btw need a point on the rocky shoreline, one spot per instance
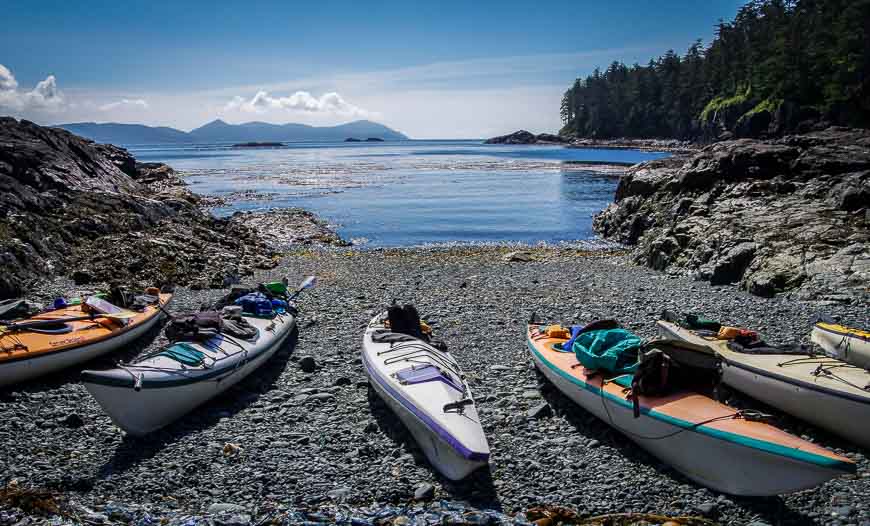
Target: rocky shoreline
(781, 216)
(314, 445)
(646, 145)
(72, 207)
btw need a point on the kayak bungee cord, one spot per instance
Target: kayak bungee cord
(417, 351)
(826, 364)
(209, 344)
(821, 370)
(427, 351)
(750, 415)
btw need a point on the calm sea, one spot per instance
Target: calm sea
(412, 192)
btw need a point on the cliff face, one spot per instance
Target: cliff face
(70, 206)
(774, 216)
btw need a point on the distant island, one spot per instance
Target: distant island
(778, 67)
(526, 137)
(219, 131)
(258, 145)
(369, 139)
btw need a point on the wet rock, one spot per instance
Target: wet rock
(339, 494)
(708, 509)
(225, 507)
(73, 421)
(424, 491)
(234, 519)
(307, 364)
(518, 256)
(96, 518)
(539, 411)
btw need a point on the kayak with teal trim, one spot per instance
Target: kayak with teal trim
(709, 442)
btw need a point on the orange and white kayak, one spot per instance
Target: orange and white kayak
(705, 440)
(29, 353)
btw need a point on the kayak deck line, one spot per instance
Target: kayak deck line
(813, 458)
(184, 376)
(443, 433)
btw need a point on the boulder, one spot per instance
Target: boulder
(730, 267)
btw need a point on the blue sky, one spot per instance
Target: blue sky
(433, 69)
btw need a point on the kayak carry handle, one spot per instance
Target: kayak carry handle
(458, 406)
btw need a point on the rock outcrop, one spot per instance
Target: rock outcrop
(526, 137)
(69, 206)
(790, 215)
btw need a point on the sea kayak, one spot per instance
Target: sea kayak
(29, 353)
(707, 441)
(156, 390)
(824, 391)
(847, 344)
(426, 389)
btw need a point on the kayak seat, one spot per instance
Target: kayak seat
(185, 354)
(418, 374)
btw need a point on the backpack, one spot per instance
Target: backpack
(405, 320)
(667, 366)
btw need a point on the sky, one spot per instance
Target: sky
(435, 69)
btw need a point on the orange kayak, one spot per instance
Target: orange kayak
(705, 440)
(28, 353)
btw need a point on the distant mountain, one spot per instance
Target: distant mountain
(220, 131)
(115, 133)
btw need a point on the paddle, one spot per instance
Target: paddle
(309, 283)
(35, 324)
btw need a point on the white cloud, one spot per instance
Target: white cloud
(129, 103)
(7, 80)
(329, 103)
(45, 96)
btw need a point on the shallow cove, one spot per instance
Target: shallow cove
(412, 193)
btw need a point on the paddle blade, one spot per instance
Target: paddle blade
(123, 315)
(309, 283)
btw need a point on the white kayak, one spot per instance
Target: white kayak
(824, 391)
(426, 389)
(155, 391)
(847, 344)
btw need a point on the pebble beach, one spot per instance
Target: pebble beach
(303, 439)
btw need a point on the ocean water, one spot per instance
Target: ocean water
(413, 192)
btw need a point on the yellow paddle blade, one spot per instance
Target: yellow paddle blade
(123, 315)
